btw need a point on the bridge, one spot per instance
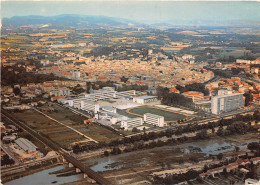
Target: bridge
(52, 145)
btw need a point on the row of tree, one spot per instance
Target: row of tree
(173, 99)
(234, 126)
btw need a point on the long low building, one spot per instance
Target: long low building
(89, 106)
(125, 93)
(84, 104)
(109, 109)
(144, 99)
(154, 119)
(194, 95)
(131, 123)
(26, 145)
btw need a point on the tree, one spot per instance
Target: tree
(213, 130)
(134, 129)
(248, 97)
(220, 131)
(17, 91)
(220, 156)
(106, 153)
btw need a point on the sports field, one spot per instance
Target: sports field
(168, 114)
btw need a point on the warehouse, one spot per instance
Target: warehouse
(26, 145)
(154, 119)
(131, 123)
(144, 99)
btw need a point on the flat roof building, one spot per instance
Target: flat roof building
(109, 109)
(144, 99)
(154, 119)
(194, 95)
(89, 106)
(125, 93)
(226, 103)
(26, 145)
(131, 123)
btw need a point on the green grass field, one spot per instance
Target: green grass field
(168, 116)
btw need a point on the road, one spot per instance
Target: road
(78, 132)
(97, 177)
(9, 153)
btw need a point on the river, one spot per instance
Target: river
(44, 178)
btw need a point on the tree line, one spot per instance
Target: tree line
(235, 125)
(173, 99)
(22, 77)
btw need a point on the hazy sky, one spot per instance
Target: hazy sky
(151, 11)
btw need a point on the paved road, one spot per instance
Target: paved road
(78, 132)
(97, 177)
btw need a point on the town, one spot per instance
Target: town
(130, 104)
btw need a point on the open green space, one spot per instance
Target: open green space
(168, 116)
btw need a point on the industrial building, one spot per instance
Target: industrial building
(26, 145)
(226, 103)
(131, 123)
(154, 119)
(144, 99)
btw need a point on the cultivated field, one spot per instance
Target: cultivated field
(58, 133)
(61, 134)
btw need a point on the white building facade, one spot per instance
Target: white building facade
(226, 103)
(131, 123)
(154, 119)
(144, 99)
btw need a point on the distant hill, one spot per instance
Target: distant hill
(81, 21)
(64, 20)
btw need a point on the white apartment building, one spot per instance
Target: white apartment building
(64, 91)
(226, 103)
(101, 94)
(76, 75)
(89, 106)
(187, 57)
(125, 93)
(131, 123)
(144, 99)
(154, 119)
(76, 103)
(84, 104)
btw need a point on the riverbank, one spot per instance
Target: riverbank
(31, 170)
(139, 166)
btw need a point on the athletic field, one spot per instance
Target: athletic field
(169, 115)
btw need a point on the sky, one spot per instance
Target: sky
(150, 11)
